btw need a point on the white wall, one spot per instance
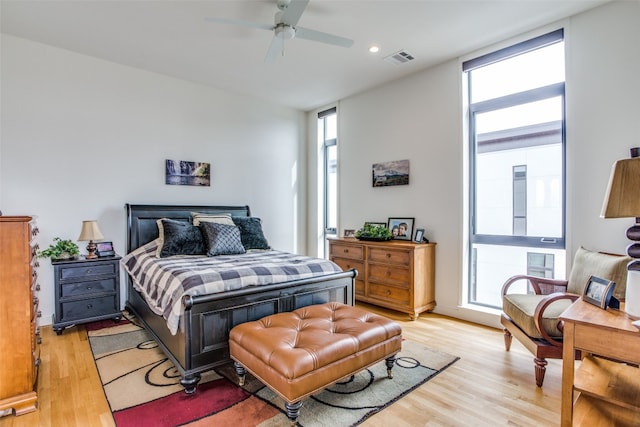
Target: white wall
(81, 137)
(420, 118)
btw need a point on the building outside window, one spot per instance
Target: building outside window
(517, 179)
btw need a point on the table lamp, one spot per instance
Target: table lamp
(90, 232)
(623, 201)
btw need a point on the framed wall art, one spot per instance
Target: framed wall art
(391, 173)
(182, 172)
(401, 228)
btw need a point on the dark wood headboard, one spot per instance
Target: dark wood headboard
(141, 219)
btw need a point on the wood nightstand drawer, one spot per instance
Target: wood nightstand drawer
(389, 274)
(86, 291)
(346, 251)
(390, 256)
(389, 293)
(93, 287)
(88, 308)
(88, 271)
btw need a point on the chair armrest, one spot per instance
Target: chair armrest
(539, 314)
(541, 285)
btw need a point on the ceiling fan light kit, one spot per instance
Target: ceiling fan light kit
(285, 28)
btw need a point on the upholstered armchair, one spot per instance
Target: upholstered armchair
(533, 317)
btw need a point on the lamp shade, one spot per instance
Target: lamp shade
(90, 231)
(623, 193)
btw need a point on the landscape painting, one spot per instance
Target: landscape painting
(181, 172)
(391, 173)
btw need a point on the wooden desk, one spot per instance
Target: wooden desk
(600, 392)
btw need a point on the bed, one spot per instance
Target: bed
(200, 343)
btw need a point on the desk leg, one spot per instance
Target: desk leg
(568, 372)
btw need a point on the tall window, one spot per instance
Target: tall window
(516, 137)
(327, 138)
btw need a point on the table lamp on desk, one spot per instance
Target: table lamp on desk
(623, 201)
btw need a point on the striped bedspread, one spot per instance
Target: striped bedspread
(164, 281)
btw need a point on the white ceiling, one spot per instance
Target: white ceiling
(173, 38)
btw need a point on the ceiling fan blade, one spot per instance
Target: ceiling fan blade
(247, 24)
(275, 49)
(319, 36)
(291, 15)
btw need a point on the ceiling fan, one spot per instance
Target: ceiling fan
(286, 27)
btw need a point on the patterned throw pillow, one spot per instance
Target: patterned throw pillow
(251, 232)
(221, 239)
(180, 238)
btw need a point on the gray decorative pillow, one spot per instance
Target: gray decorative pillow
(251, 232)
(221, 239)
(180, 238)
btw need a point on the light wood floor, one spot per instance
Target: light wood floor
(486, 387)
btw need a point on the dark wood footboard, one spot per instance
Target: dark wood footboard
(201, 343)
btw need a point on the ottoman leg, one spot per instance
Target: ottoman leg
(293, 410)
(390, 361)
(240, 371)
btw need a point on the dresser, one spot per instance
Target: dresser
(86, 290)
(395, 274)
(605, 388)
(19, 333)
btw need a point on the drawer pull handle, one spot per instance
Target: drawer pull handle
(89, 287)
(388, 292)
(346, 251)
(39, 313)
(89, 306)
(37, 362)
(388, 255)
(88, 271)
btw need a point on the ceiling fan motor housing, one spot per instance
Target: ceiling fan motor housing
(285, 32)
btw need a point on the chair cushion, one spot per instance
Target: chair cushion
(606, 266)
(521, 308)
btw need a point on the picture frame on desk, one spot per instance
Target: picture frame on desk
(598, 292)
(401, 228)
(105, 249)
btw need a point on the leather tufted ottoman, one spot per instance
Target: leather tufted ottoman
(299, 353)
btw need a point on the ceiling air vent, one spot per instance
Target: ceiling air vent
(399, 57)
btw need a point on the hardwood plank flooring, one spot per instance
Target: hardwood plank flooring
(486, 387)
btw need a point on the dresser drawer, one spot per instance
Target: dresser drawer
(389, 293)
(87, 308)
(396, 275)
(76, 289)
(346, 251)
(348, 264)
(391, 256)
(87, 271)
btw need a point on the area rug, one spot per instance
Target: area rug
(142, 386)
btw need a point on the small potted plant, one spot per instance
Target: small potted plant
(373, 232)
(60, 249)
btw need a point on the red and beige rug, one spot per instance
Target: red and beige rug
(142, 386)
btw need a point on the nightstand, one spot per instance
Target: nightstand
(86, 291)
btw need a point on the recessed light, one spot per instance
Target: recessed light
(374, 49)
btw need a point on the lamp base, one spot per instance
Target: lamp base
(632, 295)
(91, 249)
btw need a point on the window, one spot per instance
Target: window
(516, 189)
(327, 139)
